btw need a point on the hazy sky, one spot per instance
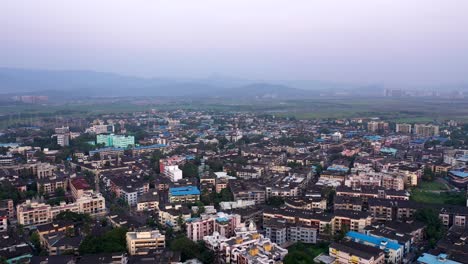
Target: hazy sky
(383, 41)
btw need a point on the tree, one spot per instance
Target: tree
(59, 192)
(275, 201)
(226, 195)
(297, 257)
(433, 223)
(35, 241)
(112, 241)
(190, 250)
(189, 170)
(428, 174)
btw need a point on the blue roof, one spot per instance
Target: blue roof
(151, 146)
(186, 190)
(222, 219)
(9, 145)
(418, 141)
(373, 138)
(376, 241)
(459, 173)
(388, 150)
(331, 168)
(431, 259)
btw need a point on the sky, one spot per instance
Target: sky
(392, 42)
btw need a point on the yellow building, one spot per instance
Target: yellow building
(138, 243)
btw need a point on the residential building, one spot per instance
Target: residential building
(403, 128)
(393, 251)
(173, 172)
(206, 224)
(118, 141)
(352, 252)
(186, 194)
(426, 130)
(140, 242)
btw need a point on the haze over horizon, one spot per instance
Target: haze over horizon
(387, 42)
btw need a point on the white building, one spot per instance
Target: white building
(173, 172)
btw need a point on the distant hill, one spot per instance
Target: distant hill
(62, 84)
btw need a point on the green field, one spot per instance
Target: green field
(410, 110)
(432, 186)
(304, 253)
(442, 198)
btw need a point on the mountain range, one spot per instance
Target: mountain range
(74, 83)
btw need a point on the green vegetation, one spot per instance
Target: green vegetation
(189, 170)
(301, 253)
(72, 216)
(213, 198)
(191, 250)
(432, 186)
(434, 229)
(275, 201)
(435, 198)
(112, 241)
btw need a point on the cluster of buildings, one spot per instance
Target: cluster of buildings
(249, 186)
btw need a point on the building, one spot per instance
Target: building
(173, 172)
(3, 221)
(38, 213)
(279, 231)
(100, 129)
(63, 136)
(139, 242)
(423, 130)
(247, 247)
(377, 126)
(427, 258)
(352, 252)
(63, 140)
(33, 213)
(79, 186)
(129, 187)
(186, 194)
(403, 128)
(248, 191)
(118, 141)
(8, 207)
(51, 185)
(393, 251)
(92, 203)
(173, 216)
(148, 201)
(206, 224)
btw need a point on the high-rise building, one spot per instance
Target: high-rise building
(118, 141)
(63, 136)
(376, 126)
(426, 130)
(403, 128)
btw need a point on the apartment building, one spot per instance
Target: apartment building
(403, 128)
(186, 194)
(37, 212)
(353, 252)
(206, 224)
(52, 184)
(8, 207)
(173, 172)
(280, 232)
(393, 251)
(140, 242)
(424, 130)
